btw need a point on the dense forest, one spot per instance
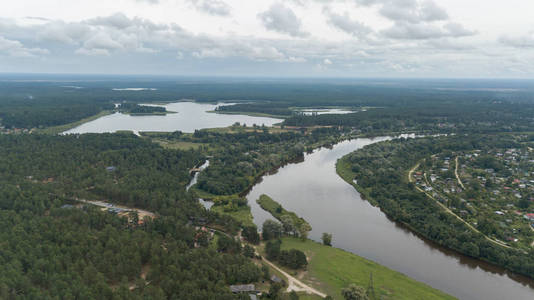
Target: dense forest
(381, 170)
(240, 158)
(75, 251)
(30, 101)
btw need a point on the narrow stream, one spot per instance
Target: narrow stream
(206, 204)
(315, 192)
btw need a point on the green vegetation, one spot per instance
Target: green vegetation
(277, 211)
(135, 109)
(237, 209)
(381, 171)
(61, 128)
(74, 250)
(331, 269)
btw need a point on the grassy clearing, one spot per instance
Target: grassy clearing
(331, 269)
(179, 145)
(61, 128)
(241, 214)
(277, 211)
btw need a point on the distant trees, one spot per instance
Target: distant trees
(327, 239)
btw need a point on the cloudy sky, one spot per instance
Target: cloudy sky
(319, 38)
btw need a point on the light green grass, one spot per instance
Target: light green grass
(331, 269)
(61, 128)
(277, 211)
(179, 145)
(242, 214)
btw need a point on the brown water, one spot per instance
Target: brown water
(315, 192)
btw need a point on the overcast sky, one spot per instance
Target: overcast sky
(320, 38)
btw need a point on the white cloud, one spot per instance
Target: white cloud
(282, 19)
(212, 7)
(346, 24)
(518, 41)
(17, 49)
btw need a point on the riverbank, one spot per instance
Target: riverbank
(62, 128)
(331, 269)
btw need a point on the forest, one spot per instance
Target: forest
(52, 246)
(381, 170)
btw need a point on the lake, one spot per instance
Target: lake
(190, 116)
(314, 191)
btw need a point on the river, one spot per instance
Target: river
(314, 191)
(189, 117)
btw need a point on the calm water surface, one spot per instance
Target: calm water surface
(315, 192)
(189, 117)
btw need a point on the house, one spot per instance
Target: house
(500, 213)
(111, 168)
(276, 279)
(529, 217)
(243, 288)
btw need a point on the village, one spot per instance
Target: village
(492, 190)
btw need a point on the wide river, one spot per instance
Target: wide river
(315, 192)
(189, 116)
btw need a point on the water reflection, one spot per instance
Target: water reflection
(315, 192)
(190, 116)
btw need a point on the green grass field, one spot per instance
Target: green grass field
(242, 215)
(331, 269)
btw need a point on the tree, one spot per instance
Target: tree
(271, 229)
(354, 292)
(304, 230)
(248, 251)
(250, 233)
(293, 295)
(272, 249)
(287, 225)
(327, 239)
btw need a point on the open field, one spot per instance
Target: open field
(179, 145)
(331, 269)
(241, 214)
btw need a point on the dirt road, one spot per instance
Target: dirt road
(293, 283)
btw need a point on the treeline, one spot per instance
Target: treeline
(239, 158)
(50, 250)
(57, 100)
(431, 118)
(120, 168)
(381, 171)
(277, 109)
(134, 108)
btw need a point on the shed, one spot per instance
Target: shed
(243, 288)
(276, 279)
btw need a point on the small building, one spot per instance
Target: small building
(243, 288)
(111, 168)
(276, 279)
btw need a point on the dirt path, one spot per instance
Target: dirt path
(452, 213)
(456, 174)
(142, 213)
(410, 177)
(293, 283)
